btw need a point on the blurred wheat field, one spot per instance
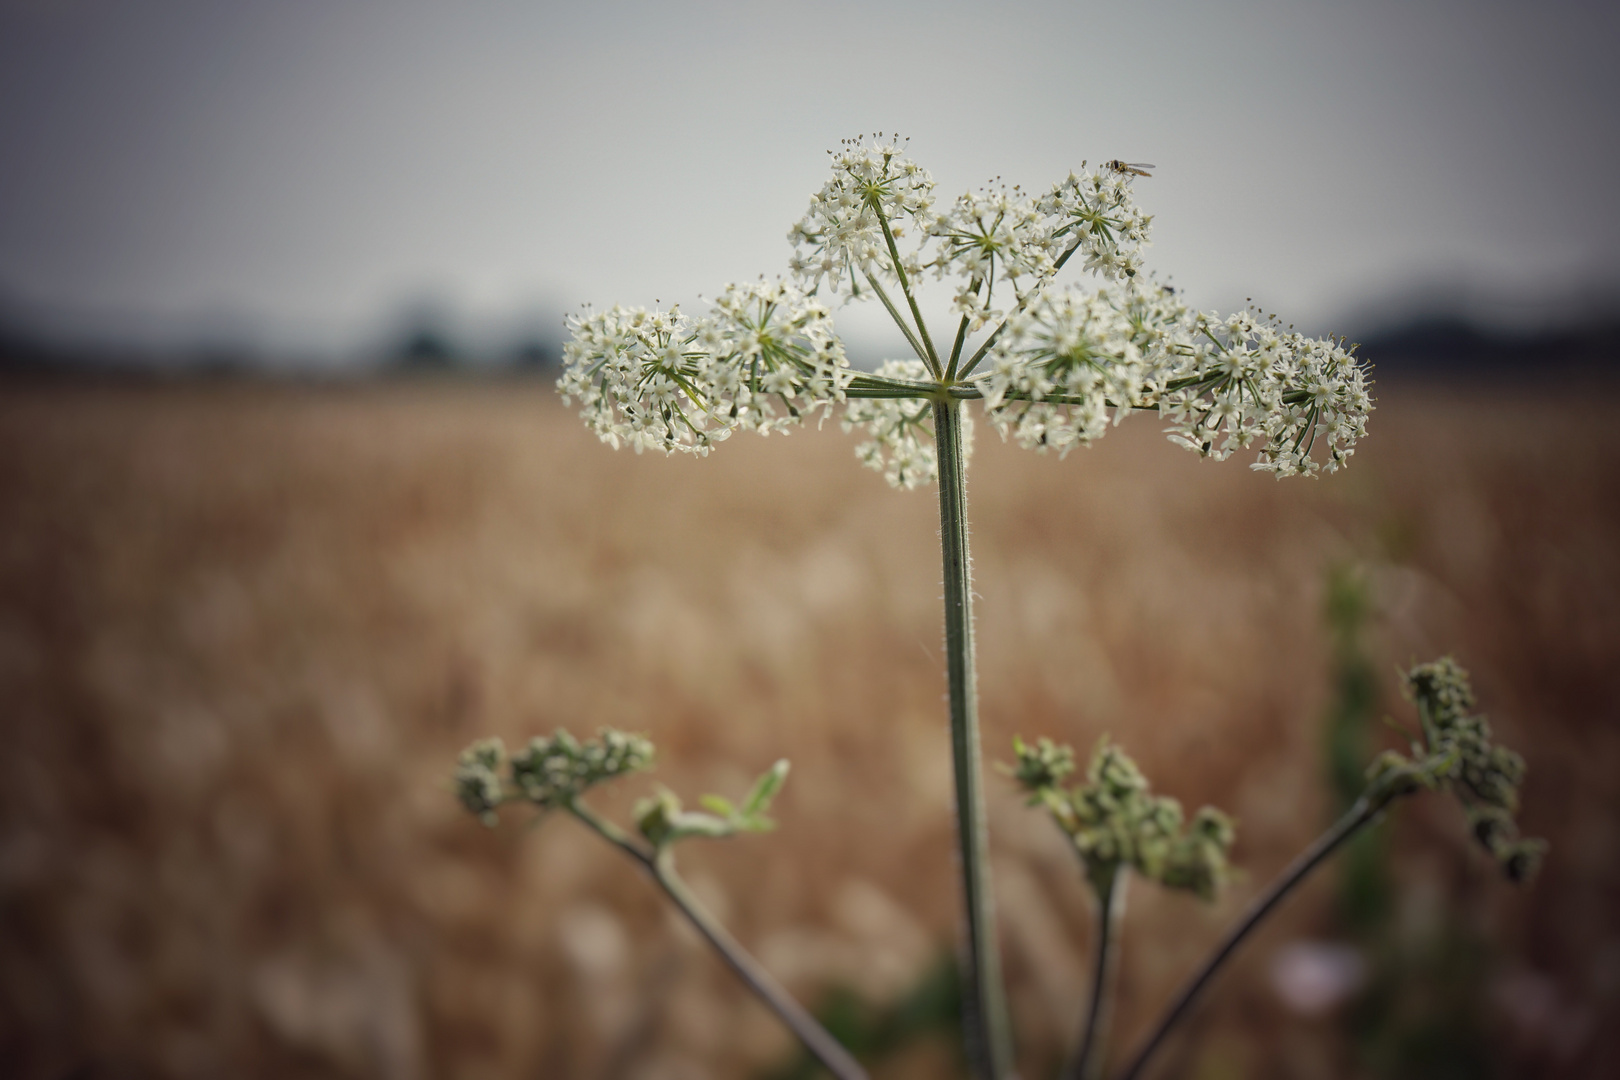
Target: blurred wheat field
(244, 629)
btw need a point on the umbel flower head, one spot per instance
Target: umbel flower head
(1054, 367)
(1114, 821)
(844, 240)
(765, 358)
(549, 772)
(1456, 753)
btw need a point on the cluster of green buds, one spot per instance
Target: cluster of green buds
(552, 773)
(549, 772)
(1114, 821)
(663, 821)
(1456, 754)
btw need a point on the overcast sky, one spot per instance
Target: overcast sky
(303, 170)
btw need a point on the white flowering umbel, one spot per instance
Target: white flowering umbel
(764, 359)
(1303, 402)
(1098, 218)
(775, 357)
(1072, 360)
(991, 237)
(847, 239)
(641, 378)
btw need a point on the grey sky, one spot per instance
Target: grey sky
(306, 167)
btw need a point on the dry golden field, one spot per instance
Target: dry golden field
(244, 629)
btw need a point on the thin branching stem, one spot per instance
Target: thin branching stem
(1091, 1052)
(660, 865)
(930, 357)
(956, 349)
(989, 1035)
(1023, 302)
(1365, 811)
(899, 320)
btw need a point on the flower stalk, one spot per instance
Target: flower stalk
(1363, 813)
(1454, 752)
(988, 1027)
(659, 863)
(1092, 1050)
(553, 773)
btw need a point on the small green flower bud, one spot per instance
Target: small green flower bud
(1044, 765)
(1461, 757)
(477, 781)
(1522, 860)
(655, 817)
(1113, 820)
(1491, 826)
(1441, 690)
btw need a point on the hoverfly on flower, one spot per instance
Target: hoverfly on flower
(1135, 168)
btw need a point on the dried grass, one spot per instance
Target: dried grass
(244, 629)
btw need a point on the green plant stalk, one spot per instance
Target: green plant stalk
(989, 1034)
(1092, 1050)
(660, 865)
(1365, 811)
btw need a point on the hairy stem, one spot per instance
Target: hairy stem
(1365, 811)
(989, 1037)
(660, 863)
(1092, 1050)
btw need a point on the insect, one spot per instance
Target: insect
(1135, 168)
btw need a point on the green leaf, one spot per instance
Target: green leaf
(755, 824)
(719, 804)
(765, 789)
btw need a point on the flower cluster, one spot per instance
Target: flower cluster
(1457, 754)
(993, 236)
(1068, 358)
(1244, 382)
(1114, 821)
(1055, 370)
(899, 430)
(776, 358)
(840, 240)
(1097, 217)
(764, 358)
(549, 772)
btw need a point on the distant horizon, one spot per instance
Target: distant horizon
(296, 177)
(1436, 320)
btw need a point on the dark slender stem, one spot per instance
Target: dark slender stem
(660, 864)
(1092, 1050)
(989, 1037)
(816, 1038)
(1364, 811)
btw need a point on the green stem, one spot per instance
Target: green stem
(956, 349)
(1092, 1050)
(1362, 813)
(989, 1038)
(899, 320)
(660, 864)
(1024, 302)
(931, 358)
